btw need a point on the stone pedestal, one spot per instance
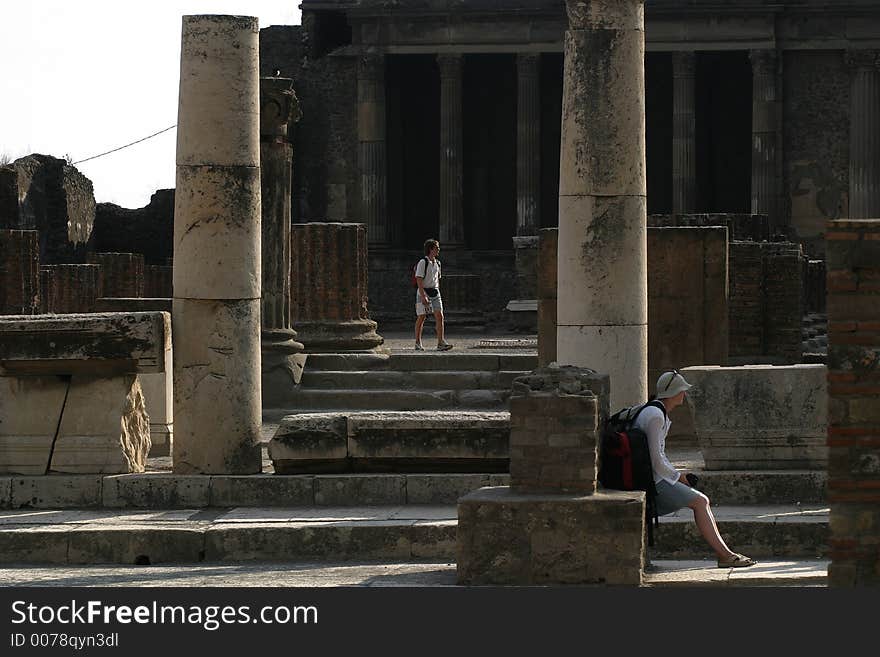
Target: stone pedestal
(760, 417)
(217, 272)
(123, 273)
(550, 526)
(451, 191)
(864, 134)
(766, 137)
(523, 311)
(328, 281)
(684, 152)
(602, 297)
(19, 272)
(72, 288)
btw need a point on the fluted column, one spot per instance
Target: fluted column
(123, 273)
(372, 147)
(602, 302)
(451, 195)
(72, 288)
(528, 144)
(19, 272)
(217, 250)
(684, 162)
(766, 141)
(281, 351)
(864, 135)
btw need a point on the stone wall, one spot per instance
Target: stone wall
(8, 198)
(853, 252)
(816, 143)
(19, 272)
(148, 230)
(740, 226)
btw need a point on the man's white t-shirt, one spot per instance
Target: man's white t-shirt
(432, 276)
(652, 421)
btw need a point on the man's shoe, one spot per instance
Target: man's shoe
(419, 346)
(444, 346)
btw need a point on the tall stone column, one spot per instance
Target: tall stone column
(766, 140)
(528, 144)
(864, 134)
(603, 284)
(280, 349)
(19, 272)
(329, 288)
(372, 147)
(217, 277)
(451, 195)
(684, 160)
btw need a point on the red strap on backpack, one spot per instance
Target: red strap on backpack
(624, 452)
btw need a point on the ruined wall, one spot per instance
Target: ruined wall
(8, 198)
(816, 143)
(853, 250)
(148, 230)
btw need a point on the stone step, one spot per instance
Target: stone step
(409, 380)
(155, 490)
(422, 361)
(706, 573)
(399, 533)
(389, 399)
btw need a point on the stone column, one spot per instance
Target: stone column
(547, 273)
(451, 196)
(864, 134)
(528, 144)
(19, 272)
(766, 142)
(217, 277)
(684, 160)
(329, 288)
(73, 288)
(123, 273)
(280, 349)
(603, 285)
(372, 147)
(158, 282)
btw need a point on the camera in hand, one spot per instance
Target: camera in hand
(692, 479)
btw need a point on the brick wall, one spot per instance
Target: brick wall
(853, 261)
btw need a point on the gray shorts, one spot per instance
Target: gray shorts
(672, 497)
(435, 304)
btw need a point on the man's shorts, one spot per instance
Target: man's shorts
(672, 497)
(435, 304)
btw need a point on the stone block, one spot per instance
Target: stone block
(142, 545)
(310, 442)
(88, 343)
(360, 490)
(760, 416)
(515, 539)
(442, 488)
(40, 544)
(56, 491)
(30, 412)
(5, 492)
(262, 490)
(157, 491)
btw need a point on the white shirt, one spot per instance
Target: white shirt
(432, 276)
(656, 427)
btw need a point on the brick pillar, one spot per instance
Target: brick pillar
(328, 281)
(547, 246)
(372, 147)
(766, 140)
(853, 262)
(73, 288)
(158, 281)
(864, 134)
(123, 273)
(451, 194)
(19, 272)
(684, 152)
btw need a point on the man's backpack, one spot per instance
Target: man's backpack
(625, 460)
(412, 273)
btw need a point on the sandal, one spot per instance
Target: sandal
(736, 561)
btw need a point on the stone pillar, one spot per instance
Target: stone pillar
(19, 272)
(123, 273)
(766, 139)
(853, 263)
(603, 285)
(547, 270)
(528, 144)
(217, 276)
(451, 195)
(328, 281)
(864, 134)
(684, 153)
(372, 147)
(280, 349)
(73, 288)
(8, 198)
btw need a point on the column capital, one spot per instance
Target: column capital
(371, 65)
(279, 106)
(684, 64)
(863, 59)
(763, 61)
(450, 65)
(528, 63)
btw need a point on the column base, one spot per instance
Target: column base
(161, 439)
(357, 335)
(522, 315)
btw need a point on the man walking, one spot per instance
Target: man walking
(428, 298)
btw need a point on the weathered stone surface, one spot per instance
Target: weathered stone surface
(508, 538)
(217, 407)
(261, 490)
(760, 416)
(71, 289)
(362, 489)
(56, 491)
(150, 228)
(442, 488)
(546, 284)
(309, 441)
(103, 544)
(104, 427)
(68, 344)
(156, 490)
(123, 273)
(19, 272)
(30, 411)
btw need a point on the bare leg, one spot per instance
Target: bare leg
(420, 323)
(438, 317)
(708, 529)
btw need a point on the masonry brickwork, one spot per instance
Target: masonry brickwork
(72, 288)
(853, 251)
(19, 272)
(123, 273)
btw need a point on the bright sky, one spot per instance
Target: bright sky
(80, 77)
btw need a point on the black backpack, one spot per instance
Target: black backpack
(625, 460)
